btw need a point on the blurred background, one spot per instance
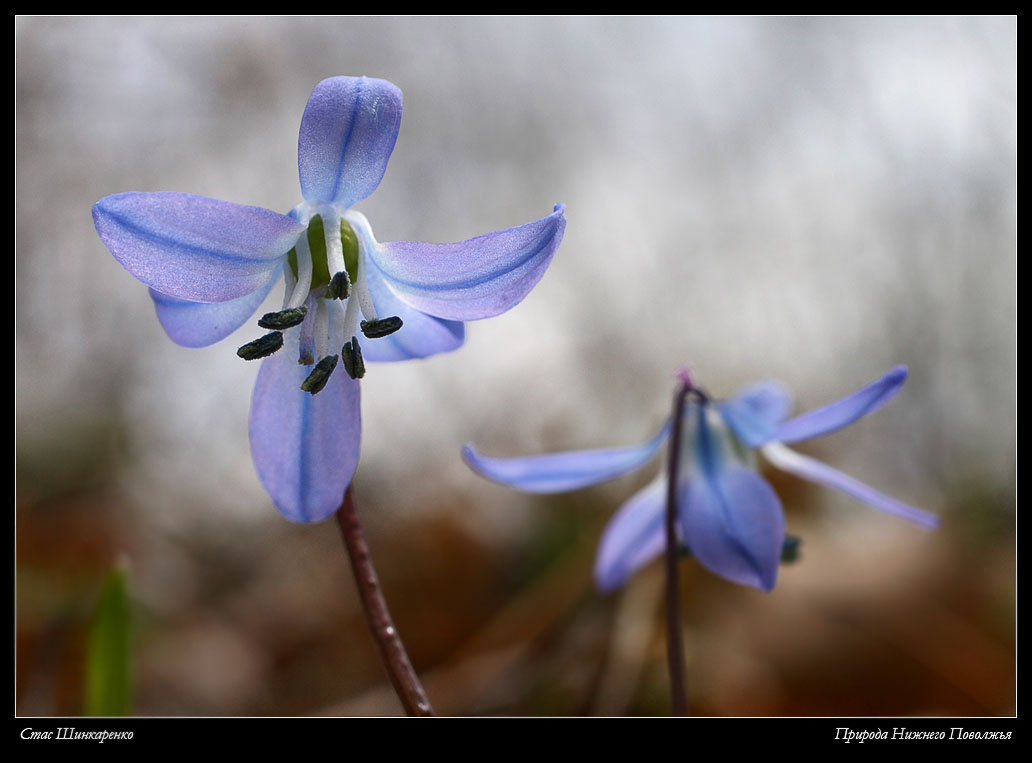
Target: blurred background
(808, 199)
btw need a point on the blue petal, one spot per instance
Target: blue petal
(347, 135)
(634, 537)
(421, 335)
(193, 247)
(198, 324)
(755, 412)
(560, 472)
(822, 474)
(844, 412)
(305, 447)
(473, 279)
(733, 523)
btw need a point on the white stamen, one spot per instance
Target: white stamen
(366, 245)
(365, 299)
(334, 247)
(351, 318)
(304, 272)
(289, 283)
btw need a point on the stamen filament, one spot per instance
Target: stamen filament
(304, 272)
(361, 290)
(360, 287)
(289, 284)
(331, 232)
(350, 316)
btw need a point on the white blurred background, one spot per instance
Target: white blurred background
(808, 199)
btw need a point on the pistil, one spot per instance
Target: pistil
(326, 294)
(322, 326)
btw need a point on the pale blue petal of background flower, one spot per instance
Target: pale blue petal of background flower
(813, 470)
(633, 537)
(734, 525)
(842, 412)
(559, 472)
(755, 412)
(730, 518)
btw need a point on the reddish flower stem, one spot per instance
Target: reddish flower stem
(675, 639)
(392, 651)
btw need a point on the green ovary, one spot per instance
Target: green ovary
(317, 243)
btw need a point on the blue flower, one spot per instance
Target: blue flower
(729, 517)
(210, 264)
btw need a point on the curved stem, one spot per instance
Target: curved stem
(392, 651)
(675, 640)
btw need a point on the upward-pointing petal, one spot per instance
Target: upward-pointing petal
(754, 413)
(347, 135)
(560, 472)
(473, 279)
(193, 247)
(844, 412)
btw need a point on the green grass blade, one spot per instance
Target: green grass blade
(108, 661)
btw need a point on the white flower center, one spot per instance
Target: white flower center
(326, 293)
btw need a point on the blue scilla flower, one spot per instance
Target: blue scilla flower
(729, 516)
(210, 264)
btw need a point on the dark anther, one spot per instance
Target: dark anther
(306, 358)
(284, 319)
(259, 348)
(320, 374)
(352, 355)
(790, 549)
(381, 327)
(340, 286)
